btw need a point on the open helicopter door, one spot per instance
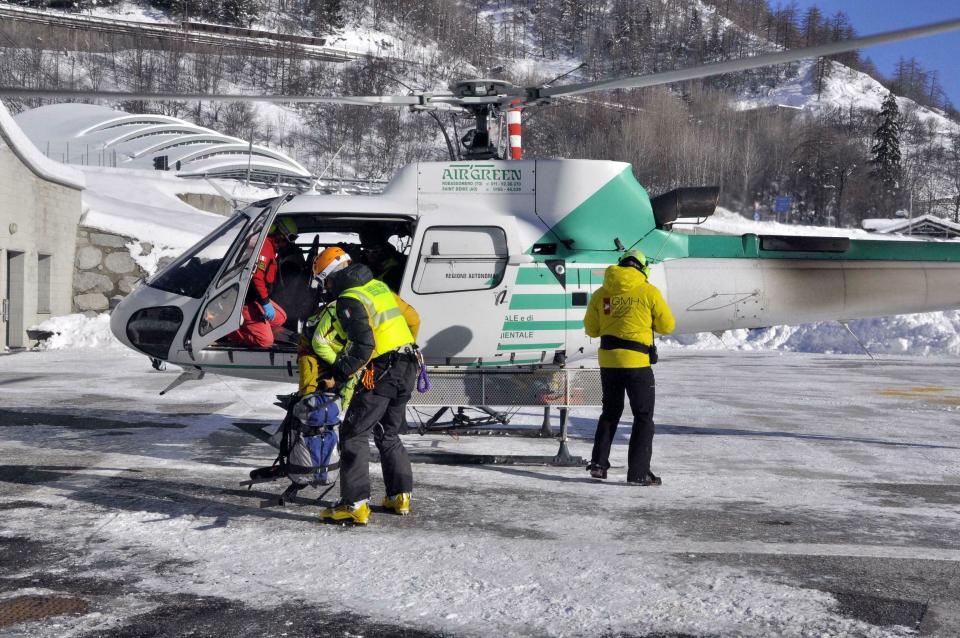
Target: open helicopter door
(220, 310)
(459, 277)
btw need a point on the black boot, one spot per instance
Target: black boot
(596, 471)
(650, 480)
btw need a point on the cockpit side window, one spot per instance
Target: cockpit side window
(192, 273)
(248, 245)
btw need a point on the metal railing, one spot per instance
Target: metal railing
(562, 388)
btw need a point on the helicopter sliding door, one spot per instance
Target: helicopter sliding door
(459, 280)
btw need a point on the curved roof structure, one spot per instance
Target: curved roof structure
(93, 135)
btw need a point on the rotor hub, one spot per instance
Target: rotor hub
(484, 88)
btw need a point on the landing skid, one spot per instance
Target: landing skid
(268, 500)
(489, 422)
(463, 424)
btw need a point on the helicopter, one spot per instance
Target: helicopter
(503, 255)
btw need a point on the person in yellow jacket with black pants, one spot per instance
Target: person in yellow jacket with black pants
(624, 313)
(379, 330)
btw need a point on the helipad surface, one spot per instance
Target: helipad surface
(803, 495)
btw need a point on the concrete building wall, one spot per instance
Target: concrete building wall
(209, 203)
(38, 220)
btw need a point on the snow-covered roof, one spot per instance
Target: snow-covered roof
(878, 225)
(929, 225)
(31, 156)
(92, 135)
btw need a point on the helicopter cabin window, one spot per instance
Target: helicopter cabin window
(458, 259)
(193, 272)
(218, 310)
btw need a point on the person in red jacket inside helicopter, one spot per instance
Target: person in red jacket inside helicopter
(261, 316)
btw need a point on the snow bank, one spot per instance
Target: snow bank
(932, 333)
(150, 261)
(144, 205)
(936, 333)
(73, 332)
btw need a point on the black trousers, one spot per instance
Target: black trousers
(382, 412)
(640, 388)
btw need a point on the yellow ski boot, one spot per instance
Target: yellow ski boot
(399, 503)
(346, 513)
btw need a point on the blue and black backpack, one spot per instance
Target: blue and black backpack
(309, 442)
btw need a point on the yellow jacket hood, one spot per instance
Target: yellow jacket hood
(629, 307)
(619, 279)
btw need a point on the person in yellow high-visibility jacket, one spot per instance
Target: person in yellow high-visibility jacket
(380, 331)
(624, 313)
(319, 345)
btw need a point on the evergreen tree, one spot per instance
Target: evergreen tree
(327, 16)
(812, 27)
(692, 44)
(715, 43)
(240, 12)
(886, 163)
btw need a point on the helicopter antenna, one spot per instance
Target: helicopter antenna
(451, 150)
(329, 164)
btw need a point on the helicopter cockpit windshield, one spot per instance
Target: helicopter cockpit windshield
(193, 271)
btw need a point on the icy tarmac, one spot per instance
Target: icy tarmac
(803, 495)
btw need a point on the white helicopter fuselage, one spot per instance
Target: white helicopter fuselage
(502, 260)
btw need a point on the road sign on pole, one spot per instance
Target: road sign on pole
(782, 204)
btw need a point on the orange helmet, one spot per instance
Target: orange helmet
(329, 261)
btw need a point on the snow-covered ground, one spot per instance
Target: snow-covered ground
(803, 496)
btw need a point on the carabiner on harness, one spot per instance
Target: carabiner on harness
(423, 380)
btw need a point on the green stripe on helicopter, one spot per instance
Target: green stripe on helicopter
(543, 277)
(243, 367)
(672, 245)
(506, 362)
(543, 325)
(620, 209)
(540, 302)
(529, 346)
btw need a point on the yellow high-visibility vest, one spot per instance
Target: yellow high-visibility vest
(390, 329)
(328, 336)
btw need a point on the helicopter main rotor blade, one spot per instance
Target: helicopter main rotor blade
(361, 100)
(743, 64)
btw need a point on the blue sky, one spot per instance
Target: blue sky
(941, 52)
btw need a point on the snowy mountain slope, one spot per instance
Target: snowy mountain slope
(843, 88)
